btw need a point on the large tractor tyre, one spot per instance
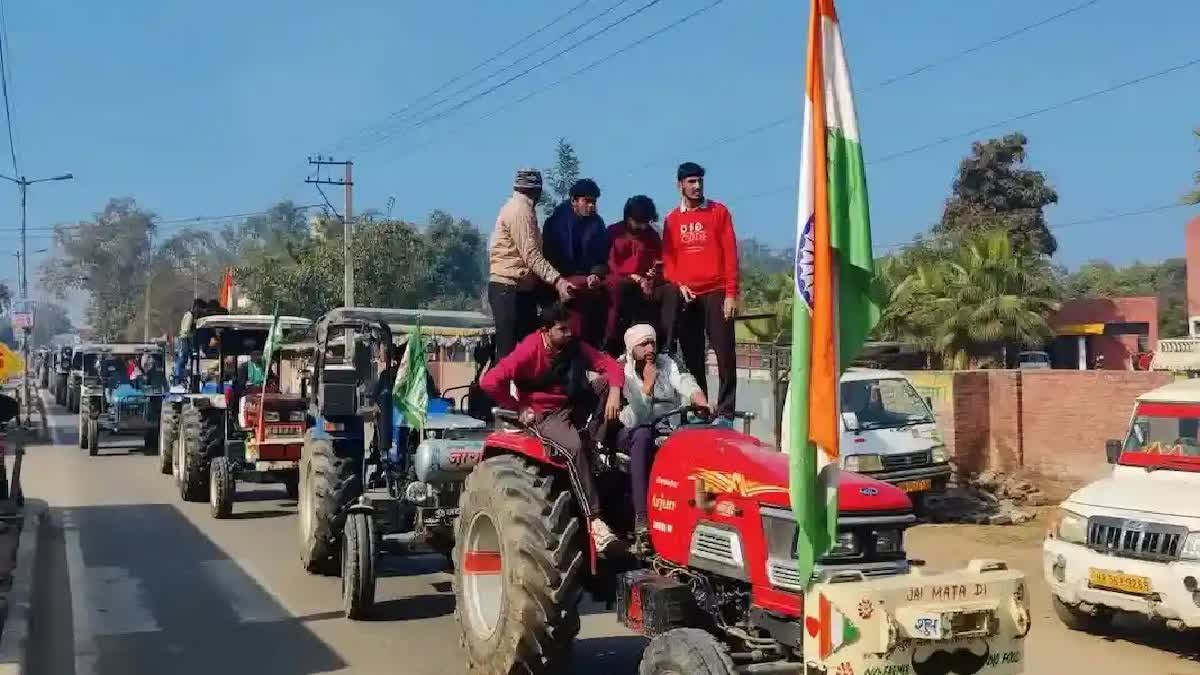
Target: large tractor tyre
(202, 439)
(519, 554)
(291, 485)
(168, 431)
(1074, 619)
(93, 437)
(358, 566)
(71, 401)
(82, 432)
(222, 485)
(685, 650)
(150, 442)
(328, 484)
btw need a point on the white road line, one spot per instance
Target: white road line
(117, 602)
(250, 602)
(87, 655)
(51, 429)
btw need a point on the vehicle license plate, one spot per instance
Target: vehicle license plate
(1118, 581)
(284, 430)
(922, 485)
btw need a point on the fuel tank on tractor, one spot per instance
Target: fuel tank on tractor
(710, 490)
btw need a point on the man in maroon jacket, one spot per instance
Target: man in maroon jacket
(634, 281)
(700, 258)
(549, 369)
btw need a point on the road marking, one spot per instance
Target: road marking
(86, 653)
(249, 601)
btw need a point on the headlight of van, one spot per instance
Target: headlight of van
(1072, 527)
(938, 454)
(845, 546)
(862, 463)
(1191, 547)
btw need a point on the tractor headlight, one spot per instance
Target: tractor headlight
(271, 416)
(1191, 547)
(1072, 527)
(845, 546)
(889, 541)
(296, 416)
(862, 463)
(938, 454)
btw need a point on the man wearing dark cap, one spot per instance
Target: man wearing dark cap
(517, 267)
(700, 260)
(576, 244)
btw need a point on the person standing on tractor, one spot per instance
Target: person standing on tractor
(700, 259)
(517, 267)
(634, 282)
(654, 385)
(555, 399)
(576, 243)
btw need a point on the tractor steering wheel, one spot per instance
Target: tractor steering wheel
(661, 424)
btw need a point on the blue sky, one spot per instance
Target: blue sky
(210, 108)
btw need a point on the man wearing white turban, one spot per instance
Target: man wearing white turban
(654, 384)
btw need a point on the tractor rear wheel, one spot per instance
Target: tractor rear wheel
(150, 441)
(202, 438)
(93, 437)
(222, 485)
(685, 650)
(168, 431)
(329, 482)
(82, 432)
(358, 566)
(291, 485)
(519, 553)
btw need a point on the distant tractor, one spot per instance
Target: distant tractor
(122, 394)
(219, 427)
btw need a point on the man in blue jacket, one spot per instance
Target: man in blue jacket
(575, 242)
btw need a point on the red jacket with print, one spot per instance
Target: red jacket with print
(700, 249)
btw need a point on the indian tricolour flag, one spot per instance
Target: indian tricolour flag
(834, 310)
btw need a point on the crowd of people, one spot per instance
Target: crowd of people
(576, 296)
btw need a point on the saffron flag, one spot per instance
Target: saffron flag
(410, 393)
(834, 309)
(226, 292)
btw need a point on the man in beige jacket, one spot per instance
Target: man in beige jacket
(517, 269)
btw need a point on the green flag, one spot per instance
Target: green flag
(259, 375)
(410, 393)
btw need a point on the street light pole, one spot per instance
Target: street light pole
(23, 184)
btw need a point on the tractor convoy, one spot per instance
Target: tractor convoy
(714, 583)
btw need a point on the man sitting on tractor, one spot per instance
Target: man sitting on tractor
(555, 399)
(654, 384)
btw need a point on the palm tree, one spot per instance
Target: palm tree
(979, 301)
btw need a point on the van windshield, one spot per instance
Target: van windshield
(1165, 435)
(884, 403)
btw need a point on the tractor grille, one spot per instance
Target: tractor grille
(133, 408)
(1135, 538)
(717, 545)
(908, 460)
(785, 574)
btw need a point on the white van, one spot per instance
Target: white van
(1131, 542)
(889, 433)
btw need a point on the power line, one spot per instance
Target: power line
(12, 148)
(178, 222)
(607, 57)
(399, 114)
(387, 137)
(1004, 122)
(887, 82)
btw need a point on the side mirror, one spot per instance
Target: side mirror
(850, 421)
(1112, 449)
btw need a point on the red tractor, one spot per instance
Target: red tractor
(716, 586)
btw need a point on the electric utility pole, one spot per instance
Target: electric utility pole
(347, 185)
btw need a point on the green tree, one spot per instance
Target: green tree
(5, 297)
(560, 177)
(973, 306)
(993, 189)
(1193, 197)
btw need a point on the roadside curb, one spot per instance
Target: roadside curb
(14, 640)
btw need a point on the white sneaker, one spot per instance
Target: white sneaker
(602, 537)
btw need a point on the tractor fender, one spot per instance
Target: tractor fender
(523, 444)
(363, 505)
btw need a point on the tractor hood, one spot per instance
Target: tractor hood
(734, 462)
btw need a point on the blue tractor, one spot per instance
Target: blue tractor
(122, 394)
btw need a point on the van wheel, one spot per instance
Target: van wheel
(1081, 621)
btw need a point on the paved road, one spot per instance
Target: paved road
(142, 583)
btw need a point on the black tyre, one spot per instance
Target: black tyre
(1081, 621)
(329, 482)
(150, 441)
(518, 559)
(168, 431)
(82, 432)
(685, 650)
(93, 437)
(221, 487)
(201, 436)
(291, 485)
(60, 389)
(358, 566)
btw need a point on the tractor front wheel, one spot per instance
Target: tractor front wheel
(329, 482)
(685, 650)
(82, 432)
(519, 554)
(222, 485)
(358, 566)
(202, 439)
(93, 437)
(168, 431)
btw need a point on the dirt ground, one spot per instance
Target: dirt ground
(1132, 646)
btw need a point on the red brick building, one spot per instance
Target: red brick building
(1191, 243)
(1107, 333)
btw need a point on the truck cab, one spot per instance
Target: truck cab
(1131, 541)
(889, 433)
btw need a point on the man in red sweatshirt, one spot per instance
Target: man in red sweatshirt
(634, 281)
(700, 260)
(554, 396)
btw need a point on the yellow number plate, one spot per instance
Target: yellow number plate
(1118, 581)
(923, 485)
(284, 430)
